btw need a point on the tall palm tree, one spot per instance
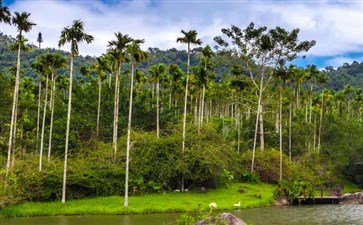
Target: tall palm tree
(175, 76)
(100, 67)
(72, 35)
(157, 72)
(42, 66)
(189, 38)
(55, 62)
(23, 24)
(207, 54)
(117, 48)
(5, 15)
(135, 55)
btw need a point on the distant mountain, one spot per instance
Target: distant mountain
(347, 74)
(337, 78)
(8, 58)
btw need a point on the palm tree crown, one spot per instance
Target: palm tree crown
(74, 35)
(21, 20)
(135, 53)
(190, 37)
(118, 47)
(4, 13)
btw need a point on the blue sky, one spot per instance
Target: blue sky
(337, 26)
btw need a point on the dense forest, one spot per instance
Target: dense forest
(135, 122)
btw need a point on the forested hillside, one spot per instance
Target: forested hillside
(346, 74)
(136, 122)
(336, 78)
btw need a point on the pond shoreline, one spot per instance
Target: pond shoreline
(254, 195)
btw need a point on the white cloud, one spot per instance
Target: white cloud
(337, 27)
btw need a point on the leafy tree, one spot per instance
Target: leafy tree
(72, 35)
(263, 49)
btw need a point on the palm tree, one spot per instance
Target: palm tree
(42, 66)
(21, 21)
(207, 53)
(99, 67)
(136, 55)
(72, 35)
(39, 39)
(55, 62)
(189, 38)
(157, 71)
(117, 48)
(5, 15)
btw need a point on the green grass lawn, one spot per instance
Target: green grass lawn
(255, 195)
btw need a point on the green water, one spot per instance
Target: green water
(304, 215)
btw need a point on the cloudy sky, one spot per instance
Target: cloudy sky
(337, 26)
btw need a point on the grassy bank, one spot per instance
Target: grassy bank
(255, 195)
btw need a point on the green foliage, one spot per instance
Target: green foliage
(246, 176)
(191, 218)
(150, 203)
(225, 178)
(296, 188)
(267, 168)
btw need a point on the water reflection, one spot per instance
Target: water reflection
(302, 215)
(317, 215)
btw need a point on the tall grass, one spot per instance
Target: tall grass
(255, 195)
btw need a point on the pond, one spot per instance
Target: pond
(297, 215)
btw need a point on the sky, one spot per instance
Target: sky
(337, 26)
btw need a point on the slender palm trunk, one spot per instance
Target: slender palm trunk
(67, 131)
(255, 139)
(262, 133)
(238, 126)
(260, 113)
(12, 133)
(126, 203)
(157, 109)
(99, 106)
(38, 114)
(280, 131)
(290, 133)
(310, 103)
(297, 94)
(314, 138)
(52, 101)
(170, 93)
(202, 107)
(320, 122)
(185, 109)
(116, 111)
(43, 125)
